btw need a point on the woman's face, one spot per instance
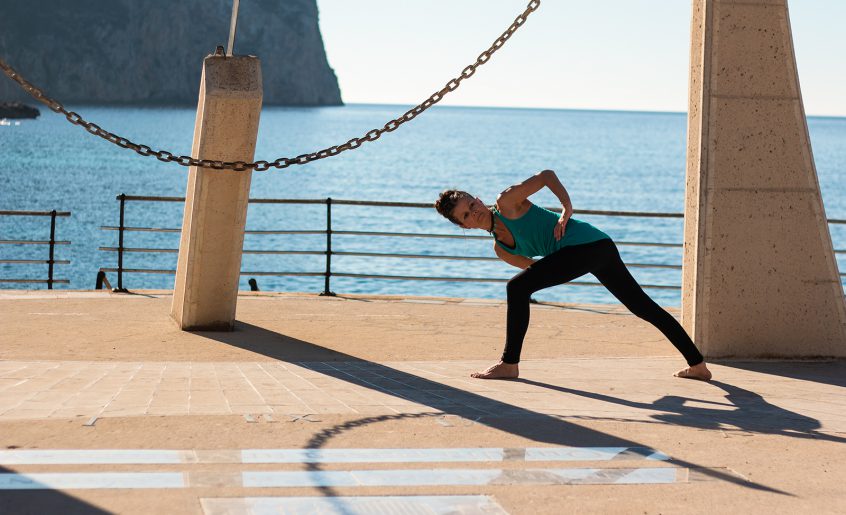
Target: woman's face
(472, 213)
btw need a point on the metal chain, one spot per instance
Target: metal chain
(282, 162)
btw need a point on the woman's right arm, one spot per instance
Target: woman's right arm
(521, 262)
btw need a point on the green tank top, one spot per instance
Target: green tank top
(533, 233)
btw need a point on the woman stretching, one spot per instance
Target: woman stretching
(569, 249)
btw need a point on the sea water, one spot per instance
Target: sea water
(626, 161)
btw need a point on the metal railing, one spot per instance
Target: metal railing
(51, 243)
(329, 232)
(122, 250)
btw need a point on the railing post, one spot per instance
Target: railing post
(326, 291)
(52, 249)
(120, 288)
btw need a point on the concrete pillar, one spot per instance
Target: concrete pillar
(759, 276)
(207, 272)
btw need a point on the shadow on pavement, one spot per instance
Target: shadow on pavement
(322, 437)
(753, 413)
(443, 398)
(827, 372)
(39, 502)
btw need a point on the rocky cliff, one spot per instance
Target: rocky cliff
(151, 51)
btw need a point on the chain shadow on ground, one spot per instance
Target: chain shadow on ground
(443, 398)
(752, 414)
(322, 437)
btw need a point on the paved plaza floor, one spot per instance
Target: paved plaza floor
(365, 405)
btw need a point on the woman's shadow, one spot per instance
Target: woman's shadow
(751, 413)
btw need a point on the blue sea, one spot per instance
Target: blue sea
(627, 161)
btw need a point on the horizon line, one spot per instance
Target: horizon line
(405, 106)
(538, 108)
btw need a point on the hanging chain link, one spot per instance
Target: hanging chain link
(282, 162)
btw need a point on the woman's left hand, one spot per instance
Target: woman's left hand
(561, 226)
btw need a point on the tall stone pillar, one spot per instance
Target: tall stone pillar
(759, 275)
(208, 268)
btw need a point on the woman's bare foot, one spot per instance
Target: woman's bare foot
(699, 372)
(501, 370)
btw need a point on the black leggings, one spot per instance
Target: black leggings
(601, 259)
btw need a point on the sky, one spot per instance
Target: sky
(609, 54)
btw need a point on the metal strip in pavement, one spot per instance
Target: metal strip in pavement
(593, 453)
(153, 456)
(449, 455)
(370, 455)
(465, 477)
(656, 476)
(345, 478)
(364, 505)
(90, 456)
(91, 480)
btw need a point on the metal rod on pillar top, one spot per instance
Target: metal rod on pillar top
(233, 24)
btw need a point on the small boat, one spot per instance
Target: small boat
(17, 110)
